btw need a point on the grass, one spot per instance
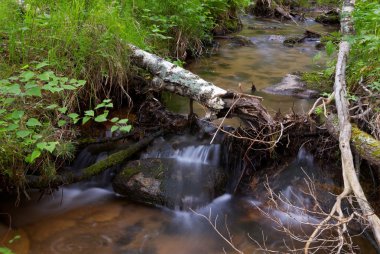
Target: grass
(83, 40)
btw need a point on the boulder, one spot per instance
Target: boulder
(169, 182)
(292, 85)
(329, 18)
(241, 41)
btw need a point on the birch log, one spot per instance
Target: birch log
(351, 181)
(172, 78)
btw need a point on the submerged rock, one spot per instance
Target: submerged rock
(241, 41)
(329, 18)
(293, 86)
(168, 182)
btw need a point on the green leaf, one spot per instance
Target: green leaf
(68, 87)
(37, 136)
(63, 110)
(89, 113)
(109, 105)
(45, 76)
(33, 122)
(101, 118)
(8, 101)
(114, 128)
(48, 146)
(61, 123)
(32, 157)
(23, 133)
(34, 91)
(80, 83)
(14, 89)
(115, 119)
(27, 75)
(123, 121)
(74, 117)
(126, 128)
(41, 65)
(17, 114)
(12, 127)
(85, 119)
(52, 106)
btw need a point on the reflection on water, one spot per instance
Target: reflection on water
(263, 64)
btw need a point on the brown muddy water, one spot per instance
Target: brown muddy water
(91, 218)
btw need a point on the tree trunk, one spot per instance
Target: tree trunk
(38, 182)
(351, 181)
(367, 146)
(172, 78)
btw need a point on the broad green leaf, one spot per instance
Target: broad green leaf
(68, 87)
(33, 122)
(126, 128)
(61, 123)
(115, 119)
(14, 89)
(85, 119)
(37, 136)
(23, 133)
(101, 105)
(17, 114)
(2, 111)
(44, 76)
(34, 91)
(109, 105)
(12, 127)
(123, 121)
(63, 110)
(80, 83)
(32, 157)
(89, 113)
(52, 106)
(114, 128)
(48, 146)
(27, 75)
(101, 118)
(8, 101)
(41, 65)
(74, 117)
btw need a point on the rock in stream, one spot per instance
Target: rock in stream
(292, 85)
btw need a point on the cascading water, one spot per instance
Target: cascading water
(194, 169)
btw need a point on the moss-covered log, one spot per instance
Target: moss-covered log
(39, 182)
(366, 146)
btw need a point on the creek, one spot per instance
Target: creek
(90, 218)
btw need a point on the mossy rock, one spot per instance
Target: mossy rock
(168, 182)
(329, 18)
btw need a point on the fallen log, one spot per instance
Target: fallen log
(364, 144)
(350, 178)
(172, 78)
(39, 182)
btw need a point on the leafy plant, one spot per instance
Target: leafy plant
(36, 123)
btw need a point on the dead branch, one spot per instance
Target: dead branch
(215, 228)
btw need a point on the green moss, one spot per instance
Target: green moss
(319, 81)
(130, 171)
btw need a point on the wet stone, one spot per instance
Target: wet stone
(292, 85)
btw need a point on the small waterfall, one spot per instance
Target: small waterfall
(195, 154)
(193, 167)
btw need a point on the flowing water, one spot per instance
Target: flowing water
(90, 218)
(264, 64)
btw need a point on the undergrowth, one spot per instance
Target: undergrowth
(81, 50)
